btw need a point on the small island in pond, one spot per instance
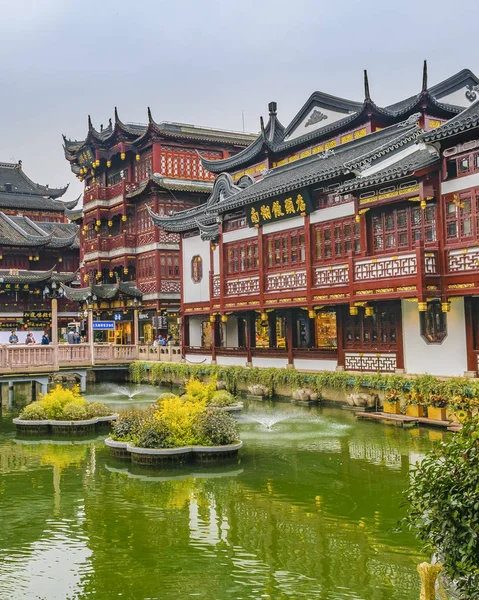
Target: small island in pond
(196, 426)
(63, 411)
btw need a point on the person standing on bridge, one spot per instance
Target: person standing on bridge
(30, 339)
(13, 339)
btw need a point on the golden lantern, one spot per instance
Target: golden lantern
(369, 311)
(110, 274)
(423, 204)
(110, 223)
(122, 156)
(357, 218)
(1, 256)
(446, 307)
(93, 180)
(85, 278)
(212, 318)
(224, 318)
(123, 218)
(98, 222)
(137, 158)
(108, 163)
(80, 179)
(264, 316)
(60, 259)
(353, 310)
(30, 257)
(422, 306)
(125, 270)
(311, 314)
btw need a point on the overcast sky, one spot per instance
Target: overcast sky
(204, 61)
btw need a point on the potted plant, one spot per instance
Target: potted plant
(459, 408)
(392, 401)
(436, 407)
(415, 404)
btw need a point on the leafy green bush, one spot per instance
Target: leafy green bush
(222, 398)
(443, 501)
(97, 409)
(215, 427)
(124, 428)
(165, 396)
(153, 433)
(34, 412)
(74, 411)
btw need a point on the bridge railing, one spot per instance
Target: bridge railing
(22, 358)
(168, 353)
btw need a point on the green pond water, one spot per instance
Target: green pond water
(308, 510)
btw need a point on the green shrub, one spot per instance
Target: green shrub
(126, 425)
(97, 409)
(34, 412)
(153, 433)
(222, 398)
(74, 411)
(187, 398)
(215, 427)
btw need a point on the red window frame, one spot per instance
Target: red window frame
(241, 257)
(335, 239)
(398, 229)
(285, 249)
(461, 212)
(376, 332)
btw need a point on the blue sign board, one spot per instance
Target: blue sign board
(103, 324)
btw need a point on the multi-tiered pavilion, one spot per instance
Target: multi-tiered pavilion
(127, 170)
(346, 240)
(39, 248)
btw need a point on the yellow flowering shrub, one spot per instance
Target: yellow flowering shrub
(201, 391)
(178, 417)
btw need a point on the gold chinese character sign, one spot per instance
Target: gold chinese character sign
(293, 204)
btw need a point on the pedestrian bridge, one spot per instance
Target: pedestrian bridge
(27, 359)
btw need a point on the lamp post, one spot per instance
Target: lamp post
(54, 293)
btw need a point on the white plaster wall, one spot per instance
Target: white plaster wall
(195, 292)
(281, 225)
(198, 358)
(231, 333)
(240, 234)
(329, 213)
(331, 115)
(448, 358)
(270, 362)
(306, 364)
(458, 98)
(231, 361)
(461, 183)
(195, 332)
(216, 261)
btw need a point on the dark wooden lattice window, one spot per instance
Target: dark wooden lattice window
(462, 216)
(241, 257)
(336, 240)
(286, 249)
(433, 323)
(378, 331)
(400, 229)
(196, 269)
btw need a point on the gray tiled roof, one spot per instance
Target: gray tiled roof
(309, 171)
(14, 181)
(182, 185)
(107, 291)
(11, 276)
(22, 231)
(467, 119)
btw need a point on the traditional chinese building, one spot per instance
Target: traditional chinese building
(39, 248)
(127, 169)
(346, 240)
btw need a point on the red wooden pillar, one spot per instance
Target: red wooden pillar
(309, 259)
(156, 158)
(399, 337)
(214, 334)
(470, 353)
(261, 260)
(185, 334)
(249, 320)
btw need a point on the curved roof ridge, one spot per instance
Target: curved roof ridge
(43, 237)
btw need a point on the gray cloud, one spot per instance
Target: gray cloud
(204, 61)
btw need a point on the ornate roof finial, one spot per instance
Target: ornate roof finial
(150, 118)
(272, 107)
(367, 95)
(261, 122)
(117, 118)
(424, 77)
(90, 126)
(109, 122)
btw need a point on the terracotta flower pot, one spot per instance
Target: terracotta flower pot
(392, 407)
(415, 410)
(436, 414)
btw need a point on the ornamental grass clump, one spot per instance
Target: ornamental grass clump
(63, 404)
(443, 506)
